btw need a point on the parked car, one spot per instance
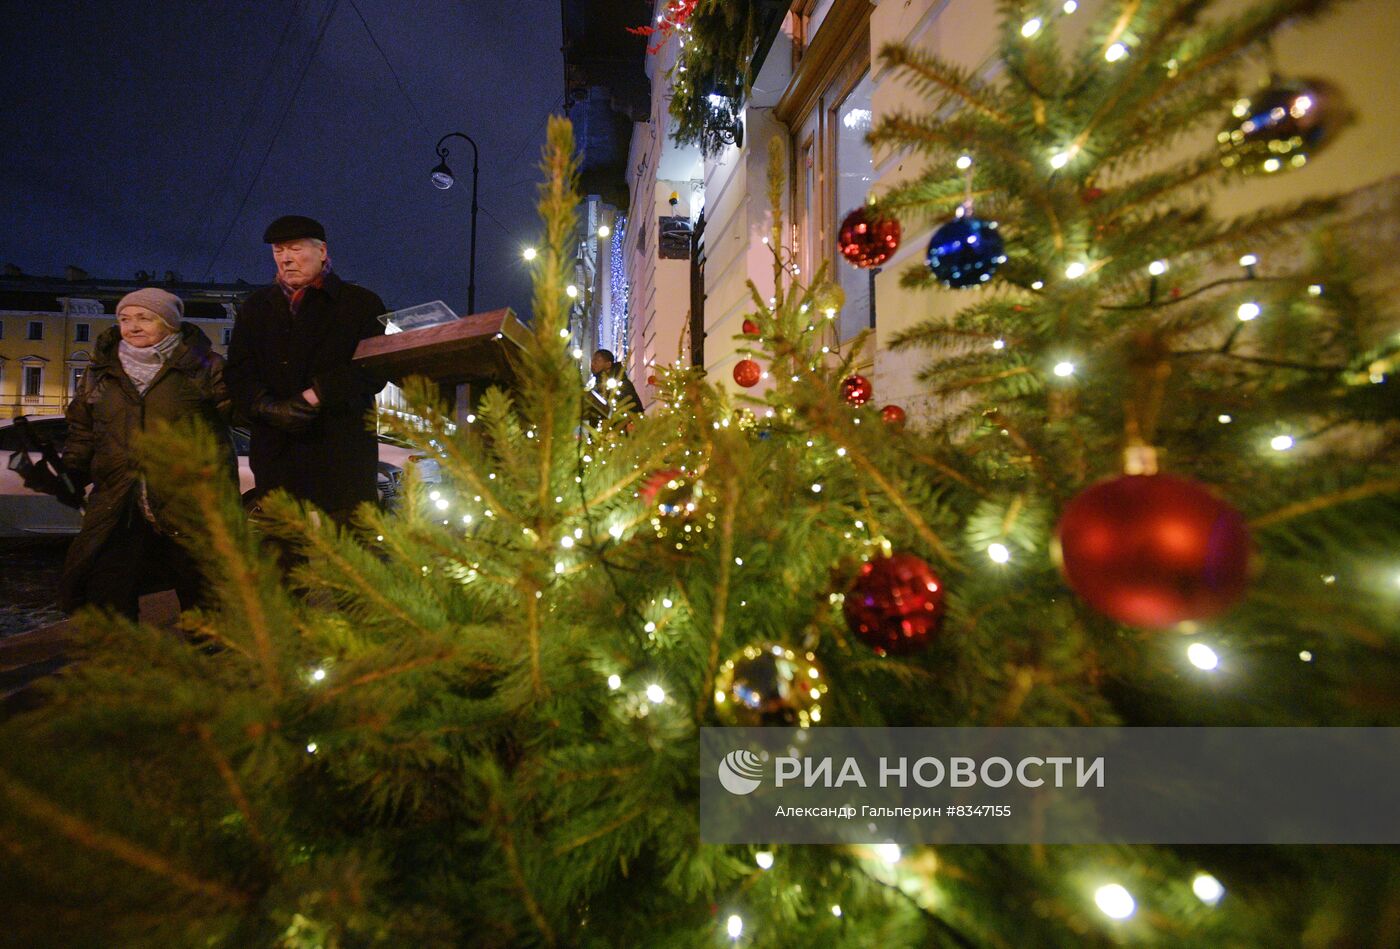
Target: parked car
(27, 513)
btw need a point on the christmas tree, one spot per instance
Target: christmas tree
(473, 721)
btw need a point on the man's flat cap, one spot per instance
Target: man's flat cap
(293, 227)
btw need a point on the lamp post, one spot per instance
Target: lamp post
(442, 178)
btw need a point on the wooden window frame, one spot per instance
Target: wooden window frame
(834, 64)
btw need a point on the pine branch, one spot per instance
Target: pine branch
(720, 604)
(937, 74)
(229, 551)
(235, 789)
(113, 845)
(1322, 502)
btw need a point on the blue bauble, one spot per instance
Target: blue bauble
(965, 252)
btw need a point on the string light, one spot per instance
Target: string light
(1281, 442)
(1069, 7)
(1030, 27)
(1248, 260)
(1076, 270)
(1115, 52)
(998, 344)
(311, 747)
(1207, 889)
(836, 909)
(655, 694)
(1224, 419)
(318, 675)
(571, 291)
(441, 504)
(614, 681)
(964, 162)
(999, 553)
(1037, 284)
(1059, 160)
(1202, 656)
(1315, 290)
(1157, 268)
(1248, 311)
(1114, 901)
(1305, 655)
(735, 927)
(890, 853)
(604, 230)
(529, 253)
(1064, 369)
(764, 859)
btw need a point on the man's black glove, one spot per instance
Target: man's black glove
(292, 416)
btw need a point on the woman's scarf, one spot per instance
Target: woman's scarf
(141, 363)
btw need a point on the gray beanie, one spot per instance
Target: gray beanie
(163, 303)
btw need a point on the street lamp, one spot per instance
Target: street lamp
(442, 178)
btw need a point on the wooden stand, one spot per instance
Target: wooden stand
(464, 356)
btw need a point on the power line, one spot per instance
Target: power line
(245, 126)
(276, 133)
(382, 55)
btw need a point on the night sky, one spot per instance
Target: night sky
(132, 132)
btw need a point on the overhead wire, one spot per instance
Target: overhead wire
(245, 125)
(384, 56)
(322, 26)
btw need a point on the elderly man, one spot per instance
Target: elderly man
(291, 374)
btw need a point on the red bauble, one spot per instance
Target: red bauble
(866, 239)
(1090, 195)
(750, 328)
(856, 390)
(893, 415)
(651, 380)
(747, 373)
(657, 481)
(895, 605)
(1153, 550)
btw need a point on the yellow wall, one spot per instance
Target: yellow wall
(58, 347)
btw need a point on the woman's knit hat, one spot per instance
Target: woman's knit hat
(163, 303)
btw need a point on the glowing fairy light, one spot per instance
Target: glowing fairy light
(1114, 901)
(1202, 657)
(1207, 888)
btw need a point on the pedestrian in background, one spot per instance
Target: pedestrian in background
(151, 368)
(611, 382)
(292, 374)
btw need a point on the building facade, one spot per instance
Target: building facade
(818, 91)
(48, 326)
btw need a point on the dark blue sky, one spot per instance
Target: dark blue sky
(122, 125)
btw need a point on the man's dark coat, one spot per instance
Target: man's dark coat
(328, 456)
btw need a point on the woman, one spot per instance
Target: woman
(148, 369)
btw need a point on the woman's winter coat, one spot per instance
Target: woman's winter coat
(105, 418)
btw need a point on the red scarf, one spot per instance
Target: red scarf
(295, 296)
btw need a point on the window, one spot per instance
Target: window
(77, 377)
(228, 334)
(827, 105)
(33, 380)
(855, 171)
(36, 329)
(81, 332)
